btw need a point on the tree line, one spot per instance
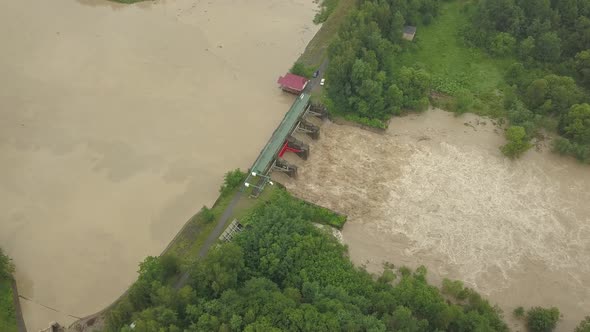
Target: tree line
(550, 79)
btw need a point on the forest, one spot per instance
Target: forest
(540, 47)
(366, 84)
(550, 43)
(285, 274)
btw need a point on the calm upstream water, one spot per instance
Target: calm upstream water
(117, 123)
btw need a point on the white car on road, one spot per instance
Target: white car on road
(322, 81)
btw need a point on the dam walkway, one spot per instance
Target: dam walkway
(273, 147)
(282, 141)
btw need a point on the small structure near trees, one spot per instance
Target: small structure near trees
(229, 233)
(409, 32)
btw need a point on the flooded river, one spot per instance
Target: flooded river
(435, 190)
(117, 123)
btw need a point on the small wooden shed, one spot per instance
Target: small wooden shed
(409, 32)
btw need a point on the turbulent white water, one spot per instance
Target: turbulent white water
(435, 190)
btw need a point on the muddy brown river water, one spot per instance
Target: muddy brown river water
(117, 123)
(435, 190)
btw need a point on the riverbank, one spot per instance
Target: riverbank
(10, 313)
(116, 130)
(434, 189)
(316, 50)
(7, 307)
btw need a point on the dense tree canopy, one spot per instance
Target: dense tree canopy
(365, 81)
(575, 125)
(542, 319)
(517, 142)
(551, 39)
(558, 28)
(284, 274)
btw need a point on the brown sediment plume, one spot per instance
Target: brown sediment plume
(432, 190)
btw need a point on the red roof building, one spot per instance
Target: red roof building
(293, 83)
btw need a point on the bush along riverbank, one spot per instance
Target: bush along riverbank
(7, 305)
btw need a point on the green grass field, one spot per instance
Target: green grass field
(7, 315)
(456, 68)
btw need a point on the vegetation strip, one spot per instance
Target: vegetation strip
(9, 305)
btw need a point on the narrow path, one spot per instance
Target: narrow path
(213, 236)
(315, 81)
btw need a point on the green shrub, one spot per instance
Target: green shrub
(373, 123)
(6, 266)
(387, 276)
(170, 265)
(326, 8)
(232, 180)
(584, 325)
(465, 101)
(454, 288)
(503, 44)
(566, 147)
(299, 68)
(563, 146)
(575, 124)
(446, 85)
(207, 214)
(7, 311)
(405, 271)
(119, 315)
(582, 153)
(518, 312)
(517, 142)
(542, 319)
